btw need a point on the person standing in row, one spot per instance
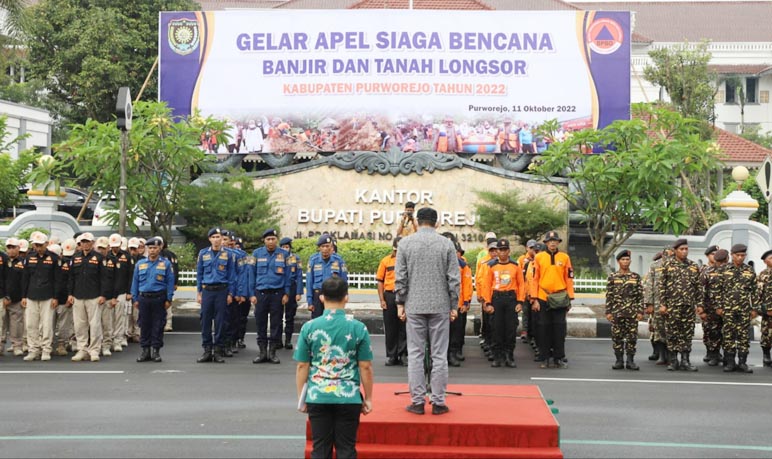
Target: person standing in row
(41, 285)
(172, 257)
(13, 313)
(524, 261)
(486, 326)
(89, 287)
(295, 267)
(713, 293)
(122, 275)
(269, 295)
(216, 285)
(102, 246)
(651, 299)
(152, 288)
(680, 293)
(132, 330)
(242, 293)
(321, 266)
(737, 310)
(63, 331)
(458, 326)
(246, 305)
(624, 308)
(551, 296)
(393, 328)
(763, 302)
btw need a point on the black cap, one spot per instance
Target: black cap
(285, 241)
(213, 231)
(426, 214)
(502, 244)
(270, 232)
(766, 254)
(739, 248)
(679, 242)
(154, 241)
(721, 255)
(624, 253)
(711, 249)
(491, 240)
(226, 233)
(396, 241)
(552, 236)
(324, 239)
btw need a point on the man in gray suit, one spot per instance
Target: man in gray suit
(427, 285)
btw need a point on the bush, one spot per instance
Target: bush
(360, 256)
(186, 255)
(25, 233)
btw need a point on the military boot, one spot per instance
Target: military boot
(729, 364)
(686, 365)
(206, 356)
(272, 354)
(619, 364)
(234, 348)
(509, 359)
(217, 355)
(663, 354)
(225, 351)
(288, 343)
(145, 355)
(240, 344)
(497, 360)
(672, 361)
(655, 354)
(452, 360)
(262, 356)
(742, 363)
(156, 356)
(630, 364)
(767, 359)
(715, 357)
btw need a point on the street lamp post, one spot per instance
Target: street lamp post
(124, 111)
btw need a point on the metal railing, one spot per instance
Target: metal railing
(367, 281)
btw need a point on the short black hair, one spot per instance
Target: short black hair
(334, 289)
(426, 216)
(410, 205)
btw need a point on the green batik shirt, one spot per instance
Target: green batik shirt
(333, 344)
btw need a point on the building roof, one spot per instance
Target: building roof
(213, 5)
(531, 5)
(317, 4)
(741, 69)
(738, 150)
(727, 21)
(421, 4)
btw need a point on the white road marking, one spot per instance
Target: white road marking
(653, 381)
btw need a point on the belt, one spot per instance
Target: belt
(388, 291)
(504, 293)
(214, 287)
(152, 294)
(271, 291)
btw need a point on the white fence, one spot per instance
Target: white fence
(367, 280)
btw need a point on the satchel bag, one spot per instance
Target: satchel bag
(558, 300)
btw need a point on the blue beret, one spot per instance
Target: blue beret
(154, 241)
(214, 231)
(286, 241)
(270, 232)
(324, 239)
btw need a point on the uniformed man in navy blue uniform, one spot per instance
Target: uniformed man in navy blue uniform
(271, 293)
(240, 295)
(216, 285)
(152, 289)
(296, 291)
(321, 266)
(247, 279)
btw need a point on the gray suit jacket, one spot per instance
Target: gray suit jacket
(428, 279)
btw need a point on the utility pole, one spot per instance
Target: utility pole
(124, 112)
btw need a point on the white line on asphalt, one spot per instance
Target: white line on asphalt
(653, 381)
(61, 372)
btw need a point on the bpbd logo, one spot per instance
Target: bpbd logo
(183, 36)
(604, 36)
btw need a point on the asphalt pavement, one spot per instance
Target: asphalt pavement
(178, 408)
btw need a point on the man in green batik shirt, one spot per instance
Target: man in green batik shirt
(333, 355)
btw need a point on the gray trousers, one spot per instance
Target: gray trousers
(433, 329)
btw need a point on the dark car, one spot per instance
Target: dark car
(70, 204)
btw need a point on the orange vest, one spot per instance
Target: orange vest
(552, 273)
(386, 272)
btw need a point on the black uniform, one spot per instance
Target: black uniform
(41, 279)
(89, 276)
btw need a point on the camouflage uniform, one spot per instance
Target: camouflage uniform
(763, 302)
(710, 278)
(739, 284)
(651, 298)
(680, 292)
(624, 301)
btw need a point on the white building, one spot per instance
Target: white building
(22, 119)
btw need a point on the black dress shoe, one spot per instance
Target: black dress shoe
(440, 409)
(391, 362)
(416, 408)
(288, 345)
(240, 344)
(403, 361)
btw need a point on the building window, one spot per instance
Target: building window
(720, 96)
(731, 92)
(731, 127)
(751, 88)
(764, 97)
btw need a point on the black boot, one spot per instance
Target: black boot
(497, 360)
(707, 357)
(619, 364)
(452, 360)
(262, 357)
(742, 363)
(630, 364)
(672, 361)
(663, 354)
(240, 344)
(225, 351)
(272, 354)
(217, 355)
(156, 355)
(655, 354)
(288, 343)
(206, 356)
(509, 359)
(279, 345)
(234, 348)
(729, 363)
(686, 365)
(460, 356)
(715, 357)
(145, 355)
(767, 359)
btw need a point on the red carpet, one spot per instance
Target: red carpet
(485, 422)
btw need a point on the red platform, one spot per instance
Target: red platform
(484, 422)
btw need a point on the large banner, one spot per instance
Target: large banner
(336, 80)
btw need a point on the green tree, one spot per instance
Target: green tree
(683, 72)
(234, 204)
(754, 134)
(162, 151)
(13, 172)
(638, 181)
(84, 50)
(752, 188)
(508, 214)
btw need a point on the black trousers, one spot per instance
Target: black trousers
(534, 319)
(243, 318)
(504, 321)
(552, 331)
(393, 328)
(152, 319)
(268, 304)
(334, 424)
(290, 309)
(316, 302)
(487, 328)
(233, 323)
(457, 332)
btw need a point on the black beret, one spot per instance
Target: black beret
(721, 255)
(624, 253)
(711, 249)
(270, 232)
(324, 239)
(766, 254)
(739, 248)
(213, 231)
(552, 236)
(285, 241)
(679, 242)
